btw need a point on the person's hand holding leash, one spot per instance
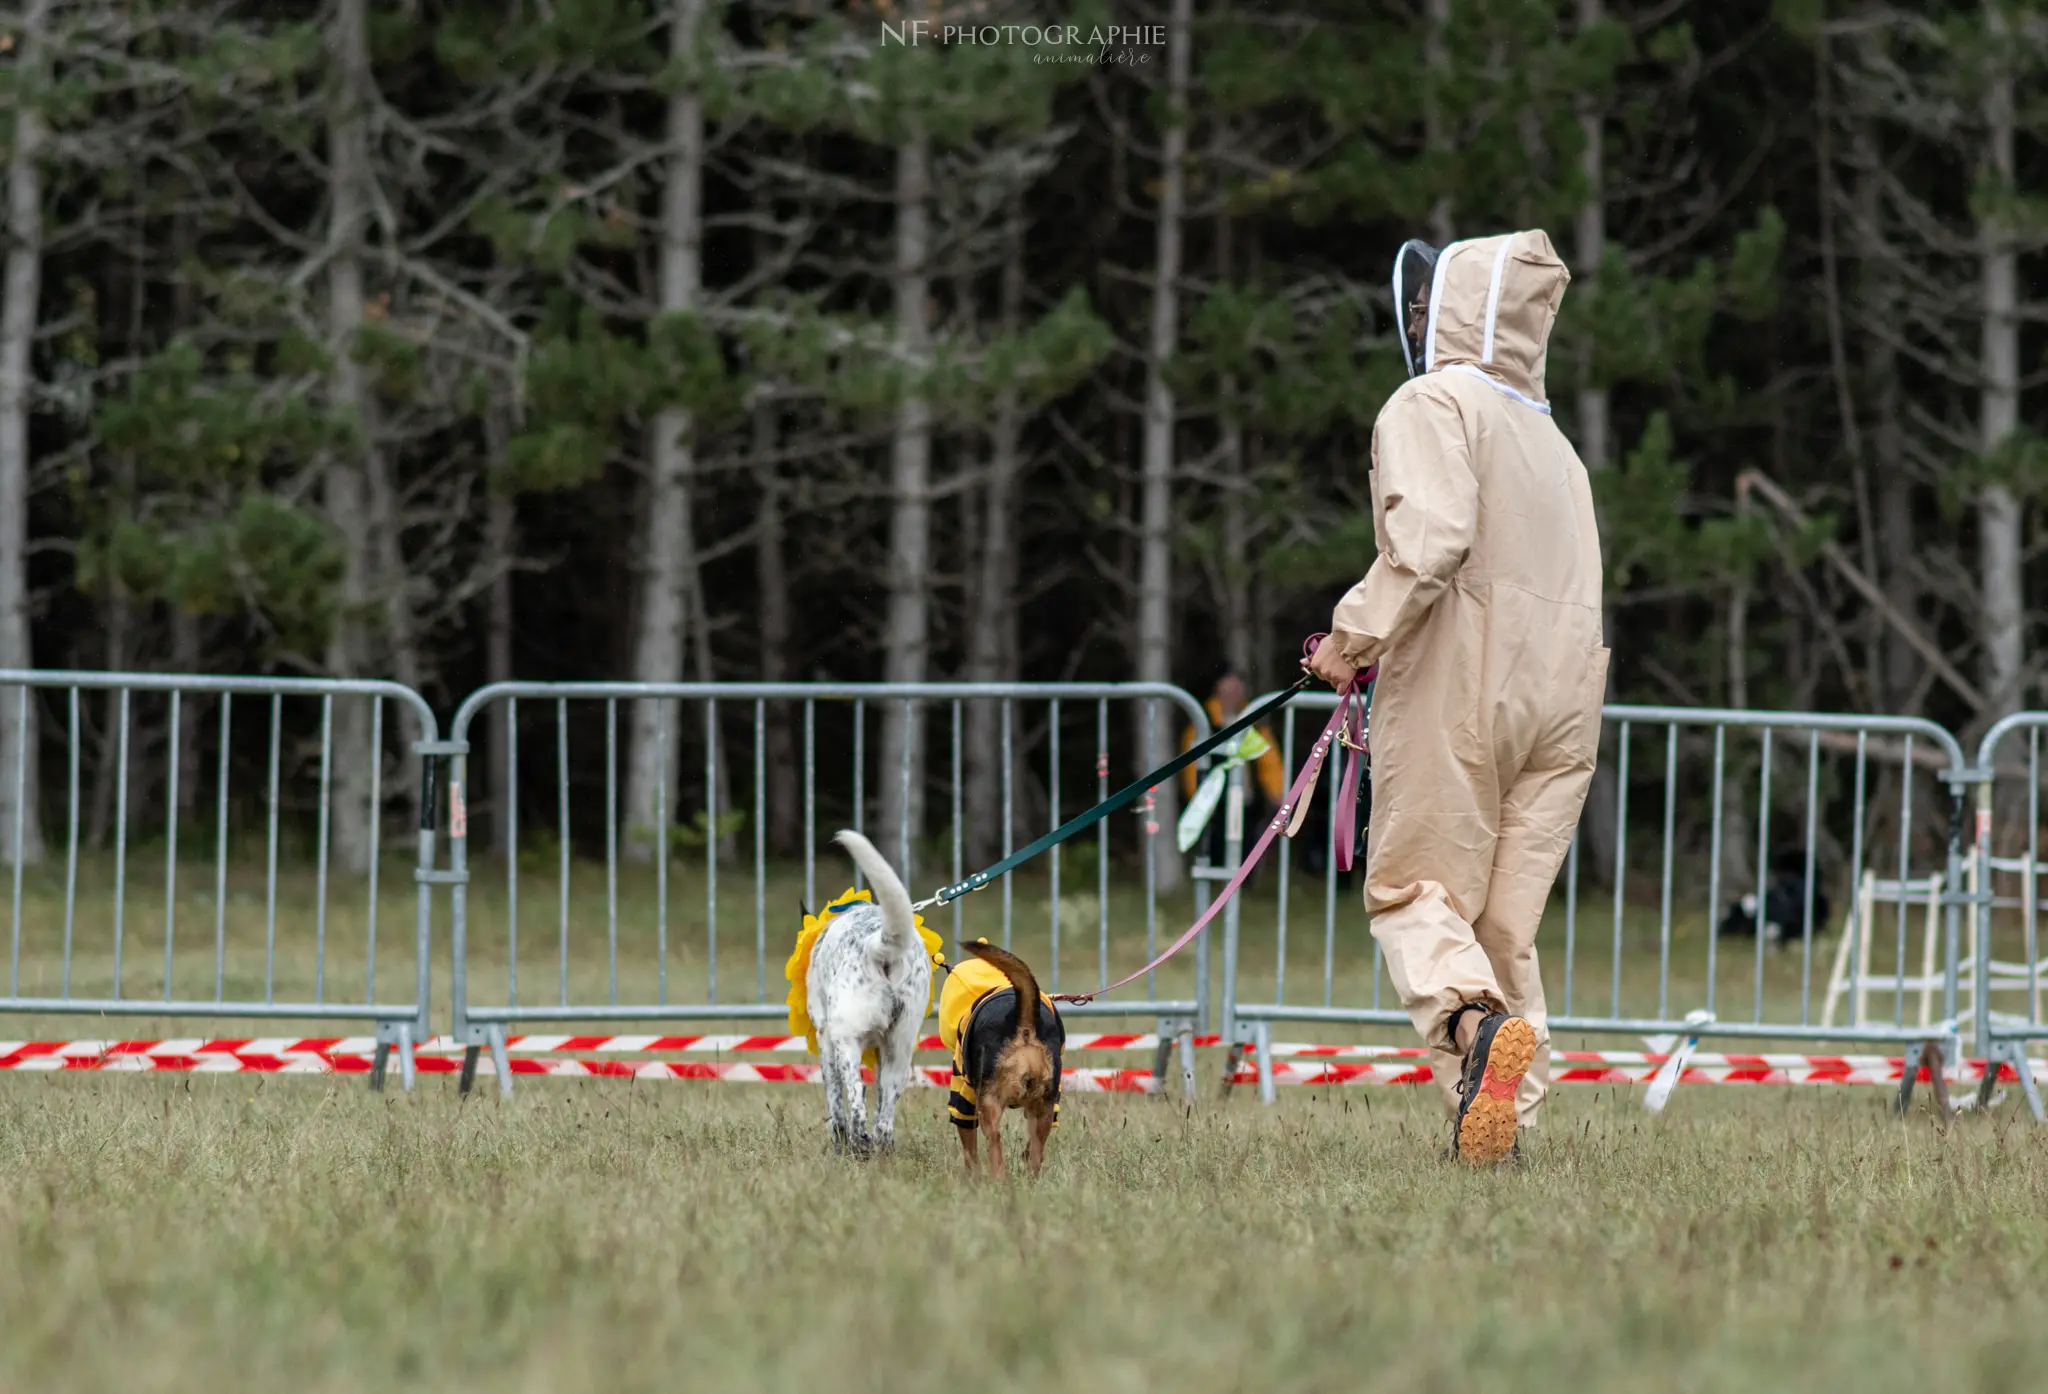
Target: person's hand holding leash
(1329, 664)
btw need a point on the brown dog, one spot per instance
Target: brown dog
(1003, 1057)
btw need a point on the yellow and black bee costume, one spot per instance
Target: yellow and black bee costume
(977, 1018)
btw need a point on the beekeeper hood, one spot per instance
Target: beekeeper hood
(1412, 267)
(1492, 302)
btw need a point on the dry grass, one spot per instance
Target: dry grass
(160, 1234)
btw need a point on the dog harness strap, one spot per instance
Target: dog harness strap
(1303, 783)
(1123, 798)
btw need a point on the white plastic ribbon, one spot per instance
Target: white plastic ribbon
(1194, 819)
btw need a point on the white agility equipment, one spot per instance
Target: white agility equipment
(1861, 928)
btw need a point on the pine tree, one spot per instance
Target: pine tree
(20, 784)
(954, 120)
(1938, 297)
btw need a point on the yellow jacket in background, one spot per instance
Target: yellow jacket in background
(1271, 774)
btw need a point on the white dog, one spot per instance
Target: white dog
(870, 986)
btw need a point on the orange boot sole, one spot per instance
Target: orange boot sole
(1486, 1133)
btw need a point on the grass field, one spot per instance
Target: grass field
(159, 1233)
(209, 1233)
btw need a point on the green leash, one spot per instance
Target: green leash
(1123, 798)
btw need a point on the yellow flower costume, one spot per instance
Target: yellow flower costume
(798, 969)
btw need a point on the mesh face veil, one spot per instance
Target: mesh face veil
(1414, 264)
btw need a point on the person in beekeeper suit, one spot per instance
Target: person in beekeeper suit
(1483, 612)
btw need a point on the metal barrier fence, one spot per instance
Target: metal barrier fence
(1930, 935)
(2003, 1035)
(59, 965)
(582, 727)
(1839, 817)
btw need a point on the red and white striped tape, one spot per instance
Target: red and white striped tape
(1296, 1064)
(747, 1045)
(1409, 1066)
(321, 1056)
(51, 1055)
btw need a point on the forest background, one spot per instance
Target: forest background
(666, 339)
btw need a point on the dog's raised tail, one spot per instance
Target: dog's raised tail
(899, 921)
(1021, 978)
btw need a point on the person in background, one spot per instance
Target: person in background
(1266, 785)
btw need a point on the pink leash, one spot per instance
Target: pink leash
(1350, 715)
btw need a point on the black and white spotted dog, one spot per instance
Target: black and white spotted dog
(869, 986)
(1784, 911)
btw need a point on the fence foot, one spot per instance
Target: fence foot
(1937, 1071)
(1231, 1060)
(1175, 1033)
(1673, 1069)
(1997, 1055)
(2028, 1086)
(408, 1073)
(501, 1060)
(1187, 1061)
(2013, 1053)
(1929, 1058)
(468, 1080)
(1262, 1044)
(378, 1061)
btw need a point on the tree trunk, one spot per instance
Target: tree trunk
(906, 640)
(17, 340)
(1155, 531)
(1258, 598)
(501, 541)
(1236, 559)
(771, 584)
(1599, 824)
(1873, 625)
(1591, 251)
(18, 754)
(1233, 543)
(1998, 511)
(668, 554)
(119, 619)
(1899, 666)
(188, 651)
(700, 643)
(1736, 874)
(394, 590)
(992, 608)
(1436, 132)
(348, 653)
(1902, 666)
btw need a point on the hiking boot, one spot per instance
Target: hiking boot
(1502, 1052)
(1516, 1160)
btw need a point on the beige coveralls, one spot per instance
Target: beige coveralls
(1483, 612)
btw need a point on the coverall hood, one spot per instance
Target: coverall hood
(1492, 302)
(1414, 264)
